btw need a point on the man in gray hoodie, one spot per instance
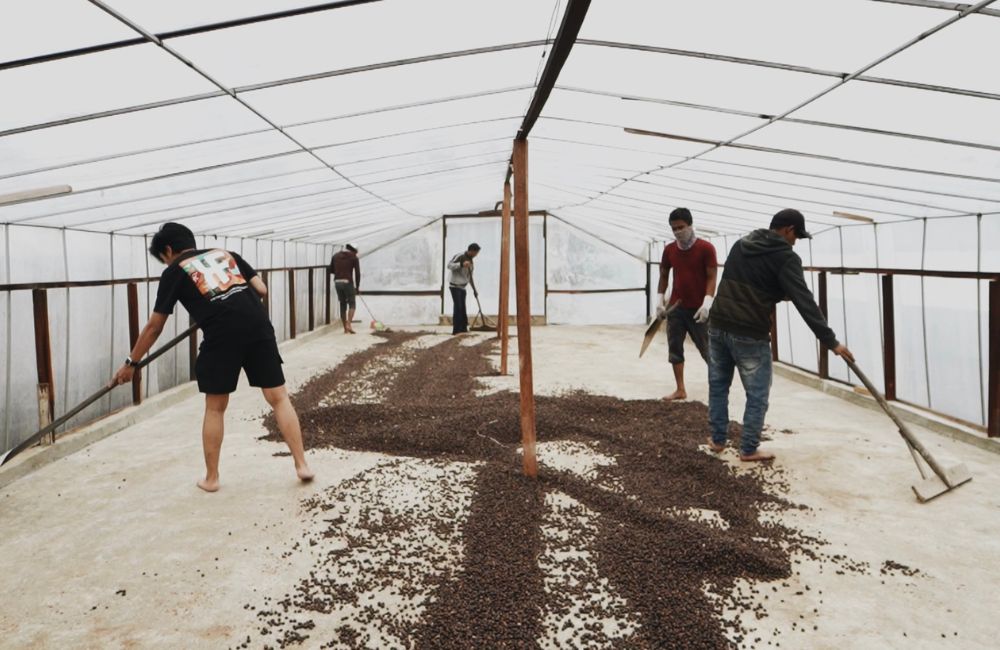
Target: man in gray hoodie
(461, 275)
(761, 270)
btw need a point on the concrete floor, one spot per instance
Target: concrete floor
(115, 547)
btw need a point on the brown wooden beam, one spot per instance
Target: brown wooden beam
(993, 419)
(132, 290)
(523, 286)
(774, 333)
(43, 362)
(889, 337)
(824, 356)
(291, 303)
(503, 325)
(192, 350)
(312, 306)
(329, 295)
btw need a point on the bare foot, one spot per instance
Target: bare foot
(758, 456)
(305, 474)
(714, 447)
(209, 485)
(676, 395)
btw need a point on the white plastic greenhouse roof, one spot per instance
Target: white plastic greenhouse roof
(374, 117)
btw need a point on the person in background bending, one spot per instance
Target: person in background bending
(346, 270)
(461, 274)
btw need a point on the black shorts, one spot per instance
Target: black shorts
(345, 293)
(681, 322)
(219, 364)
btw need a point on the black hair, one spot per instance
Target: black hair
(681, 214)
(177, 237)
(351, 248)
(473, 247)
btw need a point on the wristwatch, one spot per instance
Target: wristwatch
(129, 362)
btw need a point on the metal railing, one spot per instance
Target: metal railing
(888, 321)
(41, 326)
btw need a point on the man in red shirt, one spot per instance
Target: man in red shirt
(695, 267)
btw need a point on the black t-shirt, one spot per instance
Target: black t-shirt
(214, 287)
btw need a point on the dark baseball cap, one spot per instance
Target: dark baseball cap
(791, 217)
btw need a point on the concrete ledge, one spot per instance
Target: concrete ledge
(907, 413)
(74, 440)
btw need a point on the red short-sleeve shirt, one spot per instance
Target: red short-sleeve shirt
(690, 271)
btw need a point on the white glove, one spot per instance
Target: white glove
(701, 316)
(661, 306)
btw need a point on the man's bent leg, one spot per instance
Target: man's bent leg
(350, 320)
(720, 376)
(754, 364)
(288, 424)
(211, 439)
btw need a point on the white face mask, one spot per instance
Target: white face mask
(685, 237)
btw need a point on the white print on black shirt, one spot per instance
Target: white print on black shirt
(215, 273)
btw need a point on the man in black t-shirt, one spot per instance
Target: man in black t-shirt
(222, 294)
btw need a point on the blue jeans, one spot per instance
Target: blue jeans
(752, 357)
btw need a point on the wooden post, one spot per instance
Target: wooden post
(267, 296)
(291, 303)
(312, 314)
(993, 419)
(889, 337)
(192, 351)
(329, 297)
(774, 334)
(824, 356)
(43, 362)
(503, 325)
(523, 285)
(133, 335)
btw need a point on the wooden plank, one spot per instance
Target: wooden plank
(824, 353)
(43, 362)
(503, 320)
(329, 296)
(774, 334)
(312, 306)
(291, 303)
(889, 337)
(993, 418)
(192, 349)
(523, 287)
(132, 290)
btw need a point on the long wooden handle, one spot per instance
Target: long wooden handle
(903, 429)
(35, 437)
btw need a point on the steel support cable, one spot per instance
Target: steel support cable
(265, 192)
(696, 199)
(235, 91)
(789, 120)
(345, 116)
(652, 225)
(776, 170)
(271, 156)
(803, 199)
(741, 221)
(799, 68)
(151, 38)
(284, 199)
(178, 33)
(731, 142)
(937, 4)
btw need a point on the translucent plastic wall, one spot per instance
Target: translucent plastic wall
(88, 326)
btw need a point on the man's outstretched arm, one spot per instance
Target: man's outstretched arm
(146, 339)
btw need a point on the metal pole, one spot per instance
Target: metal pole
(523, 285)
(503, 322)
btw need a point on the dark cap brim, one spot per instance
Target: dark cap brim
(802, 233)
